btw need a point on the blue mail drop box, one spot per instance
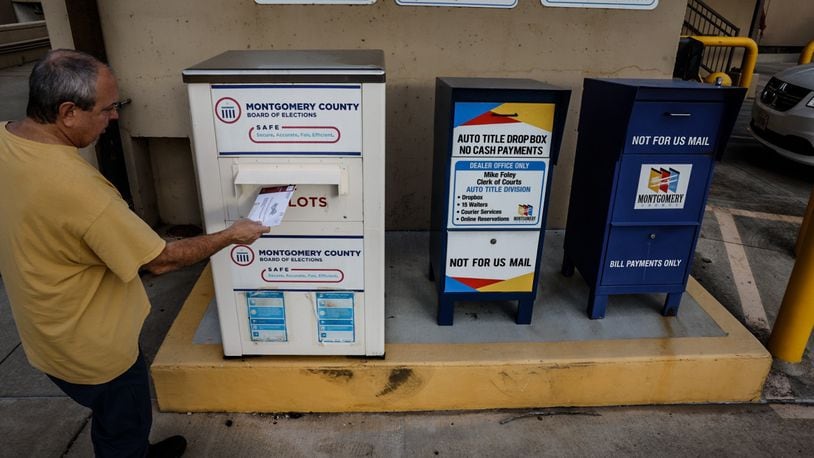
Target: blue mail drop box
(496, 140)
(642, 172)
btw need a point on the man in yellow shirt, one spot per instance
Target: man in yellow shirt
(71, 250)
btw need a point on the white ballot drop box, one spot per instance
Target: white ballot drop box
(314, 119)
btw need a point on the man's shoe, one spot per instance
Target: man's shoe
(171, 447)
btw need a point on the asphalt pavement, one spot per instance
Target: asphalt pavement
(756, 202)
(745, 254)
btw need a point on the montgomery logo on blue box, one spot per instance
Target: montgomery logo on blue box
(662, 186)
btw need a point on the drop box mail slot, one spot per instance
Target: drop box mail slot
(328, 189)
(674, 127)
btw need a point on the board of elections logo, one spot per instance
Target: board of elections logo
(227, 110)
(242, 255)
(662, 186)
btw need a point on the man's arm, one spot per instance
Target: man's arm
(184, 252)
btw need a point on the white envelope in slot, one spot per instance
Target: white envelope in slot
(251, 177)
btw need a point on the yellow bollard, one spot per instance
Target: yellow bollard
(807, 54)
(749, 56)
(795, 320)
(806, 221)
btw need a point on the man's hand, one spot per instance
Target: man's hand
(184, 252)
(245, 231)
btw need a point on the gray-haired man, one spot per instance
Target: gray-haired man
(71, 249)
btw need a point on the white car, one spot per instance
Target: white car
(783, 114)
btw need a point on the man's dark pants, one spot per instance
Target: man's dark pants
(122, 411)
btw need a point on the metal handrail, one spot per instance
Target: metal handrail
(749, 56)
(700, 19)
(706, 11)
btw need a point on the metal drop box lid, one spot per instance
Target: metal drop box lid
(300, 66)
(673, 89)
(502, 84)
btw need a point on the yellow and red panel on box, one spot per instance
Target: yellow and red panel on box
(486, 261)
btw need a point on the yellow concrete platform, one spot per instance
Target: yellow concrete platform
(412, 377)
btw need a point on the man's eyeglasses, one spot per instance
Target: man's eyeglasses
(116, 105)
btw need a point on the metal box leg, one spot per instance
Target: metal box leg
(446, 311)
(671, 304)
(596, 305)
(524, 309)
(567, 266)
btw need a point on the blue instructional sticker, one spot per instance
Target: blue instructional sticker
(336, 318)
(266, 316)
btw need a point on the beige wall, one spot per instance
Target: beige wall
(788, 23)
(171, 165)
(149, 42)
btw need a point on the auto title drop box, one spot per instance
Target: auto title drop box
(643, 167)
(314, 119)
(496, 141)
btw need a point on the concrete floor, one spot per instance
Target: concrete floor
(36, 419)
